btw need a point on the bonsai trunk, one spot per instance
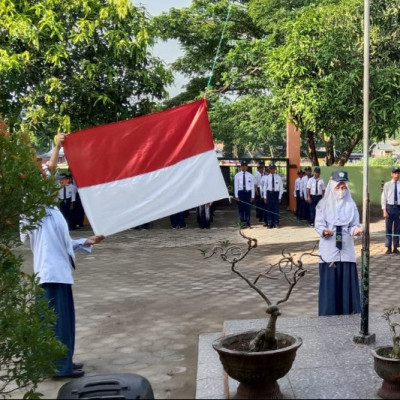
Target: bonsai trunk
(396, 347)
(266, 338)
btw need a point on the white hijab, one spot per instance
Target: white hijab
(337, 212)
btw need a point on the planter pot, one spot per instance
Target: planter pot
(389, 370)
(256, 372)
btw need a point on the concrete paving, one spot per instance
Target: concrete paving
(143, 297)
(328, 365)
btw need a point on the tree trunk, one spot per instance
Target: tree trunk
(330, 153)
(312, 153)
(345, 154)
(266, 339)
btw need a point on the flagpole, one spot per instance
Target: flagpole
(364, 337)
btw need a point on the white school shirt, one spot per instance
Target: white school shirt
(249, 182)
(387, 196)
(278, 185)
(70, 192)
(53, 248)
(304, 181)
(312, 185)
(297, 186)
(263, 185)
(257, 178)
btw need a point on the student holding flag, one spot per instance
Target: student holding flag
(53, 262)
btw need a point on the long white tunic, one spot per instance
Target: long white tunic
(327, 245)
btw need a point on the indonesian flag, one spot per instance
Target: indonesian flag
(139, 170)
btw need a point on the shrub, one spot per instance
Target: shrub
(28, 347)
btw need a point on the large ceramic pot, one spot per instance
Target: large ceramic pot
(256, 372)
(389, 370)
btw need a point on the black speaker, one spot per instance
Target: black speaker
(107, 386)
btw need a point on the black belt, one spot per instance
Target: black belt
(392, 205)
(246, 191)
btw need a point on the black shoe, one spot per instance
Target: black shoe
(269, 226)
(388, 251)
(76, 373)
(396, 251)
(265, 224)
(77, 365)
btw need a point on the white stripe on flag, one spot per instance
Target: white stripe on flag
(116, 206)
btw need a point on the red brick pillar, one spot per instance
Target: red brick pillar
(293, 154)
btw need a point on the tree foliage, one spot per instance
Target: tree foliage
(69, 65)
(237, 97)
(28, 347)
(307, 56)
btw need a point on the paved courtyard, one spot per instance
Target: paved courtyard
(143, 297)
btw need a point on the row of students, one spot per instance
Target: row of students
(308, 191)
(266, 189)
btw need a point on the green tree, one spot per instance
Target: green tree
(315, 69)
(28, 347)
(308, 56)
(69, 65)
(249, 124)
(238, 101)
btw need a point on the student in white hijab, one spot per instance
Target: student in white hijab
(337, 221)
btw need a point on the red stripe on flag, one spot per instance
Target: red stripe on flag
(137, 146)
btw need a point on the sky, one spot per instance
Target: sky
(168, 51)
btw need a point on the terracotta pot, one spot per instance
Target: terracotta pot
(257, 372)
(389, 370)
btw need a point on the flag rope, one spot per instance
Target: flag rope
(218, 48)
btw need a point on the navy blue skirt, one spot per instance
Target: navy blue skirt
(61, 300)
(339, 290)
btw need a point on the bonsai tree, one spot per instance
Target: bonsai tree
(388, 315)
(291, 269)
(28, 347)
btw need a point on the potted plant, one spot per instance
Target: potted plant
(387, 359)
(257, 359)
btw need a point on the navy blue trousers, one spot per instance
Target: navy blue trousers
(61, 300)
(272, 215)
(259, 207)
(314, 201)
(305, 209)
(178, 219)
(204, 215)
(339, 291)
(298, 204)
(392, 227)
(244, 206)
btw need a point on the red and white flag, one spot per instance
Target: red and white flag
(139, 170)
